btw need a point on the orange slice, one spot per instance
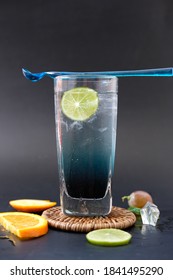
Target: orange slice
(31, 205)
(24, 225)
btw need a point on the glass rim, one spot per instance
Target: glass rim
(85, 75)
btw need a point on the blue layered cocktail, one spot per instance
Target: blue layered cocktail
(86, 117)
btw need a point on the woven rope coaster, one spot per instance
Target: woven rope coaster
(118, 218)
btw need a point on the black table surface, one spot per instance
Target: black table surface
(148, 242)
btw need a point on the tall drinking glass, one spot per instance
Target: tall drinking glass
(86, 121)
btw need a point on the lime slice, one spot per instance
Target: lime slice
(108, 237)
(79, 103)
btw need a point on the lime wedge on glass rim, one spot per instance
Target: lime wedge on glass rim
(79, 103)
(108, 237)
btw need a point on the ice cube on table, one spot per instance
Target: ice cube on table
(150, 214)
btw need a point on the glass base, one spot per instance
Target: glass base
(86, 207)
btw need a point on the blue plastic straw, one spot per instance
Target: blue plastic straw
(159, 72)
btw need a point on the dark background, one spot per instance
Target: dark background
(92, 35)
